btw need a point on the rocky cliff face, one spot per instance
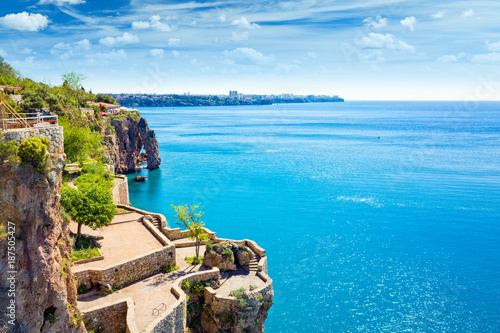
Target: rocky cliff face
(35, 257)
(125, 141)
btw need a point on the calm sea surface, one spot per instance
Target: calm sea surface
(376, 216)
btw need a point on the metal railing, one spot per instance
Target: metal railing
(32, 120)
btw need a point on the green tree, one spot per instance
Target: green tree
(73, 81)
(101, 98)
(189, 218)
(90, 205)
(79, 141)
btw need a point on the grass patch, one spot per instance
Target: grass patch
(194, 260)
(238, 293)
(121, 210)
(169, 268)
(85, 248)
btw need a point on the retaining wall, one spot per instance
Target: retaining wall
(113, 317)
(120, 191)
(124, 273)
(52, 132)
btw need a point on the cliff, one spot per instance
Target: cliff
(36, 283)
(125, 138)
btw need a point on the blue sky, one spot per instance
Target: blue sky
(372, 49)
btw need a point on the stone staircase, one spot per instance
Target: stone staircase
(157, 223)
(253, 266)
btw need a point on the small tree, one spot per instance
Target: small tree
(189, 218)
(92, 205)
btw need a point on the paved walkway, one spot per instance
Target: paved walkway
(147, 294)
(122, 241)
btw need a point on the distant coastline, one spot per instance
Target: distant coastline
(154, 100)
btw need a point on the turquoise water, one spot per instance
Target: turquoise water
(376, 216)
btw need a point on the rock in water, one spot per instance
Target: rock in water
(131, 136)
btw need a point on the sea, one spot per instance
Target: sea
(376, 216)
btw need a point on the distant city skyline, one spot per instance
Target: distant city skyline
(359, 50)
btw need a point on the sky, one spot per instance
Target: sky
(359, 50)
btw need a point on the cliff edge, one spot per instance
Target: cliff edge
(37, 289)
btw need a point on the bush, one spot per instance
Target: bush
(197, 288)
(169, 268)
(8, 151)
(238, 293)
(194, 260)
(243, 303)
(33, 151)
(84, 248)
(51, 317)
(82, 289)
(185, 285)
(209, 246)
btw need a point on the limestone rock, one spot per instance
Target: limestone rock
(220, 256)
(125, 145)
(44, 284)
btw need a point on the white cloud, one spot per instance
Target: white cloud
(27, 51)
(3, 53)
(380, 41)
(126, 38)
(239, 36)
(245, 24)
(104, 58)
(246, 56)
(495, 47)
(140, 25)
(371, 56)
(438, 15)
(67, 50)
(286, 68)
(157, 53)
(176, 54)
(375, 23)
(311, 55)
(222, 18)
(62, 2)
(153, 23)
(24, 21)
(468, 13)
(485, 58)
(447, 58)
(409, 22)
(173, 41)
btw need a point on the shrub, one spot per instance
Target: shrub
(8, 151)
(243, 303)
(82, 289)
(169, 268)
(242, 248)
(227, 252)
(185, 285)
(261, 297)
(238, 293)
(209, 246)
(194, 260)
(51, 317)
(197, 288)
(33, 151)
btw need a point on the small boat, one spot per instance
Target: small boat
(140, 178)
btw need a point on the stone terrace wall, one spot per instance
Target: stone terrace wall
(127, 272)
(120, 191)
(52, 132)
(230, 303)
(117, 316)
(160, 217)
(174, 320)
(112, 317)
